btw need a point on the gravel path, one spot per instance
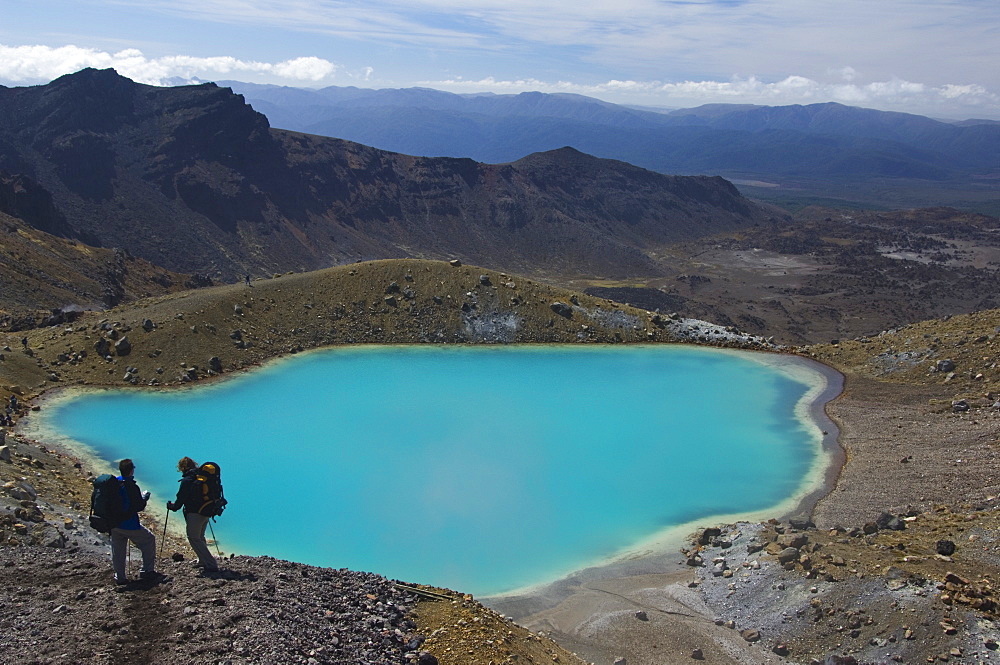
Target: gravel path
(62, 608)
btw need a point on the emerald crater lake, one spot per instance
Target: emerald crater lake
(483, 469)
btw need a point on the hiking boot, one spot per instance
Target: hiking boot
(151, 575)
(120, 582)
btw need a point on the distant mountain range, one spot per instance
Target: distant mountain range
(818, 142)
(194, 180)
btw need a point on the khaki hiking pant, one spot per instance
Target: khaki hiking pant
(196, 525)
(143, 539)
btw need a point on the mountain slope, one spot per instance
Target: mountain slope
(193, 179)
(810, 146)
(46, 277)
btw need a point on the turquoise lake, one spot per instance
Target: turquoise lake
(479, 469)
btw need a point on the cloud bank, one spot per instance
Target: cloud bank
(894, 94)
(40, 64)
(21, 65)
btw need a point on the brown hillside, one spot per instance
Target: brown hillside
(171, 339)
(41, 272)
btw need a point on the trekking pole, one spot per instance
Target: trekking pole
(214, 539)
(164, 538)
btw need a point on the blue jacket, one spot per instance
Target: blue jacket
(132, 502)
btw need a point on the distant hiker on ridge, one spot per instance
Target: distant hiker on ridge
(189, 497)
(133, 502)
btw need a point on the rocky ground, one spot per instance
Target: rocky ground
(59, 607)
(827, 275)
(918, 427)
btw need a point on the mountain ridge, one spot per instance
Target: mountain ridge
(804, 148)
(147, 169)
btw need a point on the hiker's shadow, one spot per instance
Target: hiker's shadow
(231, 575)
(143, 584)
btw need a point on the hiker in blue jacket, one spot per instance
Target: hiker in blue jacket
(189, 499)
(133, 502)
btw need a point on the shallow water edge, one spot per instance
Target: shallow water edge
(660, 555)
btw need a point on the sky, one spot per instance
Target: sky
(938, 58)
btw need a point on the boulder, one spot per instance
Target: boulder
(840, 660)
(485, 280)
(103, 347)
(5, 454)
(47, 535)
(945, 547)
(706, 536)
(123, 347)
(944, 365)
(148, 325)
(562, 309)
(773, 548)
(796, 540)
(455, 263)
(954, 578)
(960, 405)
(215, 364)
(890, 521)
(788, 555)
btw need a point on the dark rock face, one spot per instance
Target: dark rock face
(152, 170)
(22, 197)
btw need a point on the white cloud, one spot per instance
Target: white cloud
(35, 64)
(305, 69)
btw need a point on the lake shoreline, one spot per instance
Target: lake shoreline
(662, 551)
(649, 549)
